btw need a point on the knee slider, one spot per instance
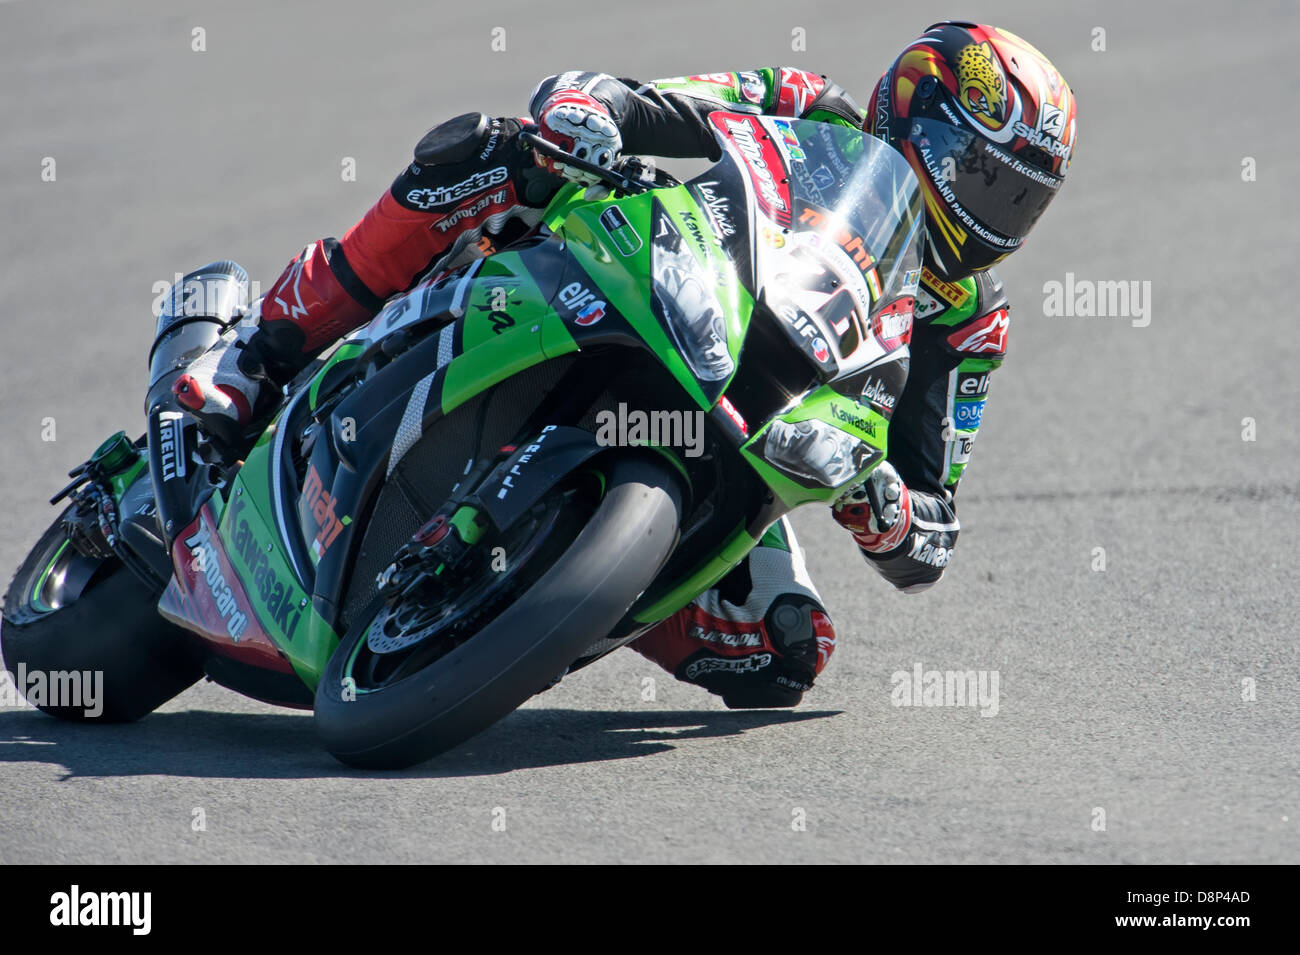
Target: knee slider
(790, 626)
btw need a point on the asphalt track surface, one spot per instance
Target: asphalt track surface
(1120, 690)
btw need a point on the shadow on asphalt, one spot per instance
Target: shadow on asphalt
(202, 743)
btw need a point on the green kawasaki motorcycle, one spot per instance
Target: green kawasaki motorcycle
(514, 469)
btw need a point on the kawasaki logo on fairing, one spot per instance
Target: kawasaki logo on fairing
(277, 596)
(208, 565)
(688, 220)
(857, 421)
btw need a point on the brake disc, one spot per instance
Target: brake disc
(397, 628)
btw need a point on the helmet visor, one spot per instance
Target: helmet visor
(988, 188)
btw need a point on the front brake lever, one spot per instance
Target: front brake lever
(628, 184)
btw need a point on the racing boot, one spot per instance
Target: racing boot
(240, 379)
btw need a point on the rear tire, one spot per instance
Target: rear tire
(105, 620)
(525, 647)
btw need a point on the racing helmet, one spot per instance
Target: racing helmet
(988, 125)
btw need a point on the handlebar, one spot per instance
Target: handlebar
(615, 177)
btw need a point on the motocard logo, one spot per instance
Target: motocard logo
(764, 164)
(741, 639)
(206, 566)
(984, 336)
(586, 308)
(171, 444)
(442, 195)
(497, 199)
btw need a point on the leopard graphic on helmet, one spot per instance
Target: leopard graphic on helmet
(983, 87)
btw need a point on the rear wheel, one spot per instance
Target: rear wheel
(413, 680)
(67, 612)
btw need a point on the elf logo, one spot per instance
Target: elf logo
(587, 309)
(973, 385)
(590, 314)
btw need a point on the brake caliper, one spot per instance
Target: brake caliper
(438, 548)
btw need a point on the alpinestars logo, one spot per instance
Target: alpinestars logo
(984, 336)
(442, 195)
(755, 661)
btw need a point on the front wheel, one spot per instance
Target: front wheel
(407, 683)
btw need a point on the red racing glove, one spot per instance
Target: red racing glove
(877, 512)
(581, 125)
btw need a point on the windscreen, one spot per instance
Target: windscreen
(835, 234)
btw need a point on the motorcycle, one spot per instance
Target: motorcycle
(488, 487)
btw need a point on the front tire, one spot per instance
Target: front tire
(520, 651)
(68, 612)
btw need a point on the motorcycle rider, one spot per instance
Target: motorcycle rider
(986, 122)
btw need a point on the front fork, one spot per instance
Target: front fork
(437, 548)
